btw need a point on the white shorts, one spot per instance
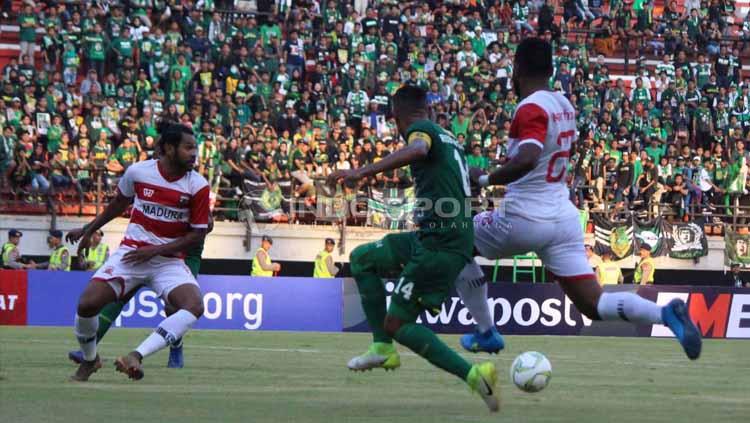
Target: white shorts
(558, 244)
(160, 274)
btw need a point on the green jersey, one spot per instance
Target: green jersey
(442, 179)
(28, 24)
(95, 47)
(702, 74)
(124, 47)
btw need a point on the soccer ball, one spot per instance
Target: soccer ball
(531, 371)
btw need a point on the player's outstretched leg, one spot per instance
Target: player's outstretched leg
(481, 378)
(472, 288)
(93, 298)
(189, 303)
(588, 297)
(382, 352)
(108, 315)
(424, 284)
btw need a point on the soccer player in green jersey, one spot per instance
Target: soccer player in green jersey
(427, 260)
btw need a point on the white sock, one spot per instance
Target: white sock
(629, 307)
(472, 288)
(171, 329)
(85, 330)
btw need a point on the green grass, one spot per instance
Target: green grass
(301, 377)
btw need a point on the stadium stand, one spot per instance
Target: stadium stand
(278, 100)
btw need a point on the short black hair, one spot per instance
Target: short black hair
(534, 58)
(171, 133)
(410, 97)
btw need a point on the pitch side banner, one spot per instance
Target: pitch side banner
(42, 298)
(230, 302)
(543, 309)
(13, 297)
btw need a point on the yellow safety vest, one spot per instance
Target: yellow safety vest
(639, 271)
(8, 248)
(609, 273)
(55, 260)
(257, 270)
(97, 255)
(321, 268)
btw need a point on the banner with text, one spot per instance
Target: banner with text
(543, 309)
(230, 302)
(41, 298)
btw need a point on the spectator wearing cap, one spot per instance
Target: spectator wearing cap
(96, 253)
(324, 265)
(262, 264)
(735, 277)
(644, 270)
(11, 255)
(60, 258)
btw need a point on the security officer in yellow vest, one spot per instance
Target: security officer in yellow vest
(11, 255)
(97, 252)
(60, 258)
(608, 272)
(644, 271)
(262, 264)
(324, 266)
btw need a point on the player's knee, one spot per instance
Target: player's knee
(88, 305)
(196, 309)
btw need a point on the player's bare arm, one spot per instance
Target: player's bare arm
(521, 164)
(184, 243)
(417, 150)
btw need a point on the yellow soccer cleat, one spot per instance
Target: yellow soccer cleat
(379, 354)
(482, 379)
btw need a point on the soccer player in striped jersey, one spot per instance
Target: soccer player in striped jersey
(112, 311)
(169, 217)
(537, 215)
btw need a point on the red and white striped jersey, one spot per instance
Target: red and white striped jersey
(163, 209)
(548, 120)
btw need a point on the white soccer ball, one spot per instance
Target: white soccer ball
(531, 371)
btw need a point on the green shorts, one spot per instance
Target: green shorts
(193, 259)
(425, 276)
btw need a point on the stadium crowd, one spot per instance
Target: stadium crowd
(298, 93)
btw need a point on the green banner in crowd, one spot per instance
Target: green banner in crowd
(686, 240)
(391, 208)
(616, 237)
(652, 235)
(736, 248)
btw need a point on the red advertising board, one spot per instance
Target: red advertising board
(13, 297)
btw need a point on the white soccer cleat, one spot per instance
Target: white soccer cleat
(377, 356)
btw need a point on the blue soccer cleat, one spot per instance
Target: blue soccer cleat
(76, 356)
(490, 341)
(175, 357)
(675, 317)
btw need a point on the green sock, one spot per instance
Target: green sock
(372, 294)
(108, 315)
(425, 343)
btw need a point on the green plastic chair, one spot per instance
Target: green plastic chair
(517, 270)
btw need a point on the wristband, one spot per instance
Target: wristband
(484, 180)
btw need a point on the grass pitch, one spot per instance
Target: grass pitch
(301, 377)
